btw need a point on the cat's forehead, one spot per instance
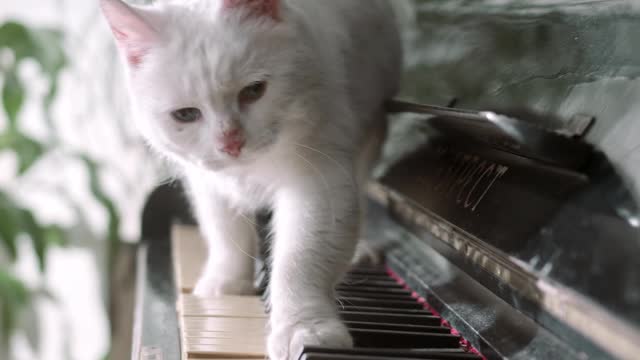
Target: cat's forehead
(220, 51)
(198, 70)
(213, 60)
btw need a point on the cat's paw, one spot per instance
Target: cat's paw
(215, 286)
(287, 342)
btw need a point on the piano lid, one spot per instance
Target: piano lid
(541, 213)
(540, 220)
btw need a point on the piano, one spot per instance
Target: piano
(505, 234)
(501, 239)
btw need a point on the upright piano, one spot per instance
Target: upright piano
(512, 232)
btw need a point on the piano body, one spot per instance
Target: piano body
(512, 233)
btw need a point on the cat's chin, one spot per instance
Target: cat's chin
(221, 164)
(215, 165)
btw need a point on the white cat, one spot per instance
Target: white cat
(267, 103)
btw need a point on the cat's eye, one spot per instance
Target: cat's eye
(252, 93)
(186, 115)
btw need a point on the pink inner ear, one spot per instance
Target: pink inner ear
(256, 7)
(134, 54)
(133, 34)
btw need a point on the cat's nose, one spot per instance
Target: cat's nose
(232, 142)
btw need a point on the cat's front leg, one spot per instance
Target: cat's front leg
(232, 245)
(315, 237)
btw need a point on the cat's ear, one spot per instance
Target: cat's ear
(131, 28)
(270, 8)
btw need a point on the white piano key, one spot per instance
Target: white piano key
(229, 350)
(189, 255)
(224, 306)
(223, 327)
(224, 323)
(190, 333)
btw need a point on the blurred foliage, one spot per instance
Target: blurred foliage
(20, 43)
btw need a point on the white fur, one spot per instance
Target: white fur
(330, 65)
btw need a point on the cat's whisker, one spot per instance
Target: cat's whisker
(244, 252)
(631, 152)
(244, 218)
(340, 166)
(167, 181)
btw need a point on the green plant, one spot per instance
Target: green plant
(20, 43)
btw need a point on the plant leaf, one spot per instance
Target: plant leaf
(48, 51)
(54, 235)
(14, 298)
(45, 46)
(15, 220)
(15, 36)
(113, 236)
(36, 233)
(12, 97)
(28, 151)
(9, 229)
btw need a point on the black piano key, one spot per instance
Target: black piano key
(385, 278)
(370, 284)
(374, 290)
(376, 271)
(354, 278)
(391, 318)
(379, 295)
(397, 327)
(380, 303)
(366, 338)
(343, 308)
(318, 353)
(318, 356)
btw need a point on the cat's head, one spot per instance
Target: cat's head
(211, 80)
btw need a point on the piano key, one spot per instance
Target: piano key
(230, 349)
(387, 284)
(216, 333)
(187, 244)
(402, 339)
(247, 341)
(319, 353)
(379, 270)
(377, 295)
(396, 304)
(224, 306)
(391, 318)
(320, 356)
(373, 289)
(397, 327)
(317, 356)
(350, 278)
(348, 308)
(378, 311)
(253, 301)
(225, 326)
(222, 312)
(213, 312)
(237, 325)
(228, 358)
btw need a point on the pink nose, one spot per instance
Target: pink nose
(232, 142)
